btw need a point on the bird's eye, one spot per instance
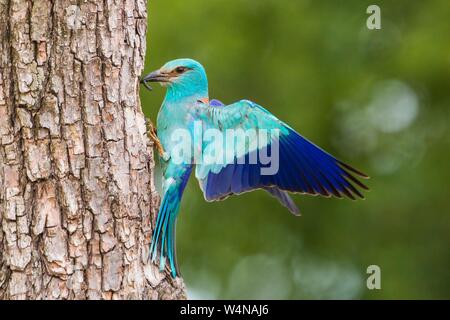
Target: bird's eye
(180, 69)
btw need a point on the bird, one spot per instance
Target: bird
(303, 167)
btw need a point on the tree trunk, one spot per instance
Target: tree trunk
(77, 199)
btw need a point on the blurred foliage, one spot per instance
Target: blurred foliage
(378, 99)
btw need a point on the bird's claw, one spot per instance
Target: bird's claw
(152, 134)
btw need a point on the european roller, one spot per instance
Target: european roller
(238, 162)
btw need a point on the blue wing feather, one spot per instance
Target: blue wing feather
(303, 167)
(216, 103)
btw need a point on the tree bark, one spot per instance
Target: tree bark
(77, 199)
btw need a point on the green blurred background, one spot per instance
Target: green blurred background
(378, 99)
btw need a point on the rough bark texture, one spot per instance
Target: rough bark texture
(77, 199)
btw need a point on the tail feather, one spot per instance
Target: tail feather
(163, 239)
(173, 251)
(284, 199)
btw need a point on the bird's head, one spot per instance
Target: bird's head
(183, 77)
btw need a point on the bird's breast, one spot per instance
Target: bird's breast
(175, 130)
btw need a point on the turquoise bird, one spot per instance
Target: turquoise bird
(234, 166)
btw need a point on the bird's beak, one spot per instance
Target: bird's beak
(155, 76)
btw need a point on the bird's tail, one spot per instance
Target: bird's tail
(284, 199)
(163, 239)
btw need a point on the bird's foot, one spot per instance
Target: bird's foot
(151, 133)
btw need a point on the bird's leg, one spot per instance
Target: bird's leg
(151, 133)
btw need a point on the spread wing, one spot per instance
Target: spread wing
(301, 166)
